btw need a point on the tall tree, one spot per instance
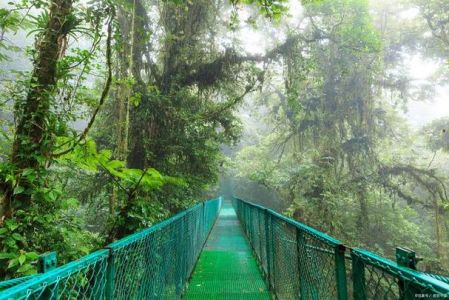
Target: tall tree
(32, 144)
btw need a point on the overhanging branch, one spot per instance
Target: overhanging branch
(104, 93)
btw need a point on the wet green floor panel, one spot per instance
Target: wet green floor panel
(226, 268)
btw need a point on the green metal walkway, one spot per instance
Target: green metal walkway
(227, 268)
(298, 261)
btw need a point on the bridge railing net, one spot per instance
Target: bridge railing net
(300, 262)
(152, 264)
(375, 277)
(82, 279)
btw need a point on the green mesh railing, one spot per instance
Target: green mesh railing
(439, 277)
(375, 277)
(152, 264)
(82, 279)
(156, 263)
(15, 281)
(300, 262)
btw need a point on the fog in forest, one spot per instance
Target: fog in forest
(332, 112)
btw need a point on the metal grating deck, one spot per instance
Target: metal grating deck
(227, 268)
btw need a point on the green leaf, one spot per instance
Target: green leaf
(69, 203)
(22, 258)
(52, 195)
(115, 164)
(30, 174)
(32, 255)
(25, 268)
(17, 237)
(18, 190)
(135, 99)
(10, 242)
(11, 225)
(13, 263)
(10, 178)
(31, 271)
(7, 255)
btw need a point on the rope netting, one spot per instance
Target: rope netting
(300, 262)
(152, 264)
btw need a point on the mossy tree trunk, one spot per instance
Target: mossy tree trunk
(33, 139)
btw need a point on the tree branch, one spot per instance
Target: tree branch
(104, 93)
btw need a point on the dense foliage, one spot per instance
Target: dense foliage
(118, 122)
(117, 114)
(335, 144)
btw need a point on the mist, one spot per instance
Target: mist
(334, 113)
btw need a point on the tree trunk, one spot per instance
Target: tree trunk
(32, 142)
(121, 99)
(136, 134)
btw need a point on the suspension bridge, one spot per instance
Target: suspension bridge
(229, 250)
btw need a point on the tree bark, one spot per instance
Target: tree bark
(32, 142)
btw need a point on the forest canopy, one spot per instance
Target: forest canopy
(116, 114)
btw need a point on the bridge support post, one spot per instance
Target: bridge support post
(110, 276)
(340, 269)
(267, 246)
(407, 258)
(300, 252)
(358, 278)
(46, 263)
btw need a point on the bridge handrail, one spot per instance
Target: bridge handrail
(438, 277)
(43, 286)
(310, 230)
(103, 274)
(412, 283)
(15, 281)
(139, 235)
(296, 259)
(364, 273)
